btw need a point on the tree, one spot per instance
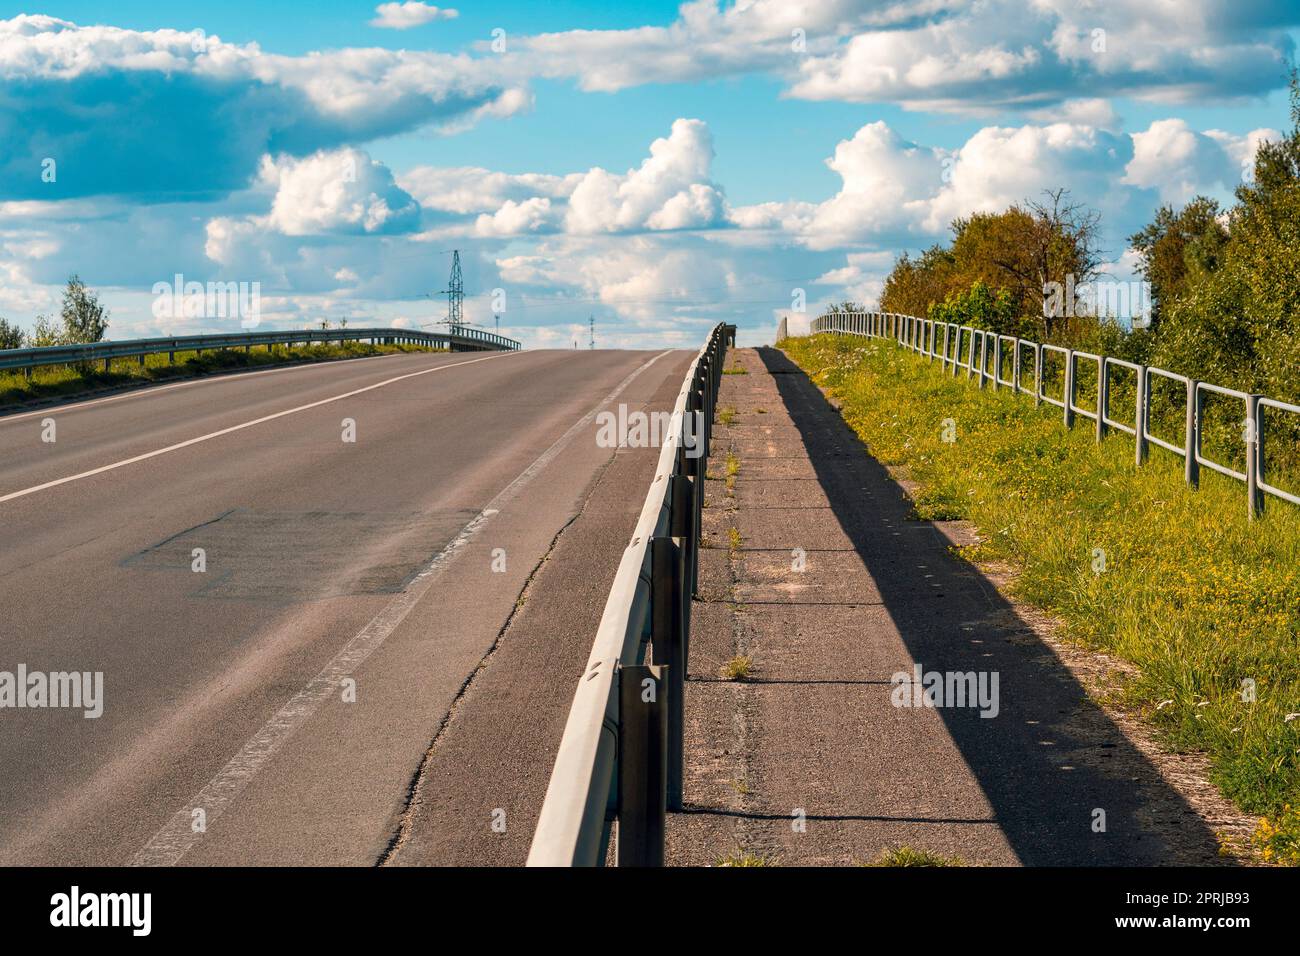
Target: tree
(11, 336)
(1061, 239)
(980, 307)
(1018, 251)
(915, 285)
(44, 333)
(1238, 323)
(1177, 247)
(84, 319)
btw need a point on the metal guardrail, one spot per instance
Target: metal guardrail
(620, 759)
(465, 339)
(922, 335)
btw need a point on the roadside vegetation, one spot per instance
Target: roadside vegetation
(82, 320)
(1132, 561)
(909, 856)
(58, 381)
(739, 668)
(1222, 284)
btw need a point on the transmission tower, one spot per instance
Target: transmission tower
(591, 321)
(455, 293)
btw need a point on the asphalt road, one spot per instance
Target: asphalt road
(278, 704)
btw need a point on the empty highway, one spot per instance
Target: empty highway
(286, 579)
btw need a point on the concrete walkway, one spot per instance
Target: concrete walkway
(809, 761)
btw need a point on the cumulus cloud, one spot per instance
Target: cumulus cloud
(947, 54)
(403, 16)
(339, 191)
(1179, 162)
(472, 189)
(670, 191)
(96, 99)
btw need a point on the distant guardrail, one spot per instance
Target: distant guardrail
(620, 759)
(923, 337)
(462, 340)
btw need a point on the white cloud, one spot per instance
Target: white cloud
(670, 190)
(403, 16)
(339, 191)
(472, 189)
(104, 96)
(1179, 162)
(514, 218)
(947, 54)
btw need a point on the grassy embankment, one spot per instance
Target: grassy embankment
(1203, 601)
(58, 381)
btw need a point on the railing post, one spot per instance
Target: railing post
(1254, 458)
(984, 355)
(1142, 413)
(1069, 388)
(1191, 467)
(642, 764)
(1103, 398)
(668, 632)
(1038, 374)
(997, 361)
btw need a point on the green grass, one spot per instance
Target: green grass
(738, 668)
(60, 381)
(734, 540)
(727, 415)
(909, 856)
(1199, 598)
(735, 370)
(746, 858)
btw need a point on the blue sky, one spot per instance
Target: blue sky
(661, 168)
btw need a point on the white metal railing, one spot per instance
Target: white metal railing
(620, 759)
(983, 357)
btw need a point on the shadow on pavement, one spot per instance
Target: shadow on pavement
(1051, 756)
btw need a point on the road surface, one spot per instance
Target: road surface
(285, 618)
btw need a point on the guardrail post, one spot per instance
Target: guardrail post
(1254, 458)
(668, 632)
(997, 361)
(1143, 413)
(1069, 388)
(984, 356)
(694, 467)
(1103, 398)
(642, 764)
(1191, 467)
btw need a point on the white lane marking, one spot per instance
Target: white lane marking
(235, 428)
(144, 391)
(177, 837)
